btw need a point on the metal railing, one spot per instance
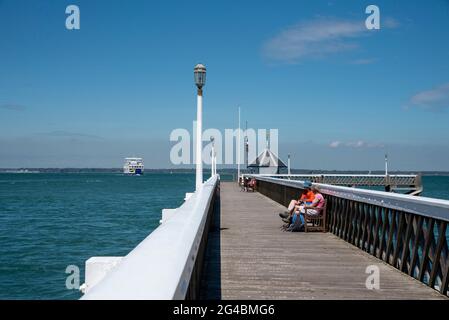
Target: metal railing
(410, 233)
(167, 264)
(405, 183)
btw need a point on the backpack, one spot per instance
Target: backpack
(298, 226)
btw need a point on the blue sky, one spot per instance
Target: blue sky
(340, 95)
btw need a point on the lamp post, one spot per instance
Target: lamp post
(387, 177)
(288, 164)
(200, 81)
(212, 162)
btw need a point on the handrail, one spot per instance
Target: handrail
(162, 265)
(334, 175)
(406, 183)
(429, 207)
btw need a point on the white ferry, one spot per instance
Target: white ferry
(133, 166)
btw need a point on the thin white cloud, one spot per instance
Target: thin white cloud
(14, 107)
(322, 36)
(364, 61)
(66, 134)
(390, 23)
(355, 144)
(335, 144)
(436, 99)
(319, 37)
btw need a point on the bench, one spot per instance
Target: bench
(315, 222)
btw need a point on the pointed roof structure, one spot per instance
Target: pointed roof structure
(267, 159)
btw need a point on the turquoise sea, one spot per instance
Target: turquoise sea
(50, 221)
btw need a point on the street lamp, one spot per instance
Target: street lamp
(200, 80)
(212, 162)
(200, 76)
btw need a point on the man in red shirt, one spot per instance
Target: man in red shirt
(307, 197)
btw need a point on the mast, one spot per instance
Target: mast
(246, 144)
(238, 151)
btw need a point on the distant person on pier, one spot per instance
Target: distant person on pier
(244, 181)
(251, 185)
(306, 197)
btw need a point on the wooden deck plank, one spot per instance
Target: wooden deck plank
(249, 257)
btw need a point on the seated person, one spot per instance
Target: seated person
(244, 183)
(252, 184)
(318, 202)
(306, 197)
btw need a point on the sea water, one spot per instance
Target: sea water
(49, 221)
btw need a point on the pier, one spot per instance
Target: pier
(251, 258)
(223, 243)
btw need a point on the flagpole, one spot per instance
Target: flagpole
(238, 152)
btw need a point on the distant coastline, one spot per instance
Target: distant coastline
(223, 171)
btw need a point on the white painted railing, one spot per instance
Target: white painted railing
(161, 266)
